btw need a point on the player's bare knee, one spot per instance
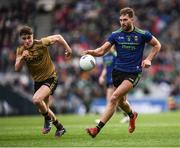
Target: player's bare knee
(36, 100)
(113, 100)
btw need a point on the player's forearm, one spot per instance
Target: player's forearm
(64, 43)
(19, 63)
(154, 51)
(97, 53)
(100, 51)
(103, 74)
(67, 48)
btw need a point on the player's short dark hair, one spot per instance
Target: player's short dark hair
(25, 30)
(128, 11)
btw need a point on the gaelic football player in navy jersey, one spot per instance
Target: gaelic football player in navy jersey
(106, 77)
(129, 42)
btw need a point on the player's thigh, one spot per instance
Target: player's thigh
(42, 93)
(47, 101)
(123, 89)
(109, 92)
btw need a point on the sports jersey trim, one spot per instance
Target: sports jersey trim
(139, 30)
(119, 30)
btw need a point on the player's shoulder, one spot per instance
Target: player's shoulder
(37, 42)
(45, 41)
(40, 43)
(117, 31)
(19, 48)
(140, 31)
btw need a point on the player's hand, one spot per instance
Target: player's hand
(25, 54)
(85, 52)
(67, 54)
(146, 63)
(101, 80)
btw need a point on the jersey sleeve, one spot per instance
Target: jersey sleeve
(147, 36)
(45, 42)
(19, 51)
(111, 39)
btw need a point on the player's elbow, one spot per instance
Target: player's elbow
(59, 38)
(158, 46)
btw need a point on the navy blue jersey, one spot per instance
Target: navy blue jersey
(129, 47)
(108, 60)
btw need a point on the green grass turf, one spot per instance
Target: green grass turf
(153, 130)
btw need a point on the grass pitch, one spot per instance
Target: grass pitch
(153, 130)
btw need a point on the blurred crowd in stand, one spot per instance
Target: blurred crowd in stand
(85, 24)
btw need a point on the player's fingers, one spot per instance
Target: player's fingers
(142, 64)
(85, 52)
(26, 52)
(148, 65)
(67, 55)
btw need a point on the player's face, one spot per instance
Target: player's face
(126, 22)
(27, 40)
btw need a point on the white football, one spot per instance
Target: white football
(87, 62)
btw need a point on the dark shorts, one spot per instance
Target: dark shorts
(51, 83)
(109, 84)
(119, 76)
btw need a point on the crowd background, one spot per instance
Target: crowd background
(85, 24)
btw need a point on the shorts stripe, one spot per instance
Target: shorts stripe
(54, 84)
(137, 80)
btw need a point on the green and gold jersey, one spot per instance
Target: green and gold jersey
(39, 62)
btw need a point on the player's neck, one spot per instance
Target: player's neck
(131, 29)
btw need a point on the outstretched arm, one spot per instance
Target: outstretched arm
(99, 51)
(156, 45)
(60, 40)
